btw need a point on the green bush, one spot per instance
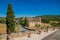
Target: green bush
(44, 20)
(2, 21)
(55, 24)
(24, 22)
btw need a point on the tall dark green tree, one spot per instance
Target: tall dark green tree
(10, 20)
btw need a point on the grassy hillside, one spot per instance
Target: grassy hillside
(51, 17)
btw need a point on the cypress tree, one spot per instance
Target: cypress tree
(10, 21)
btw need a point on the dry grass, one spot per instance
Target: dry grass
(32, 27)
(16, 28)
(2, 28)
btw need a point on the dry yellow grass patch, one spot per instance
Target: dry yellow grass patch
(2, 28)
(32, 27)
(16, 28)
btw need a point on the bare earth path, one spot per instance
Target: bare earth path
(54, 36)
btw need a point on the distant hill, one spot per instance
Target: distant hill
(2, 18)
(51, 17)
(48, 16)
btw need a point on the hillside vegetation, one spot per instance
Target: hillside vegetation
(51, 17)
(44, 18)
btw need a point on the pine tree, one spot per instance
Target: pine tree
(10, 21)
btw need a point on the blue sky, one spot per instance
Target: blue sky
(31, 7)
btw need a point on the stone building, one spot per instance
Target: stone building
(34, 21)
